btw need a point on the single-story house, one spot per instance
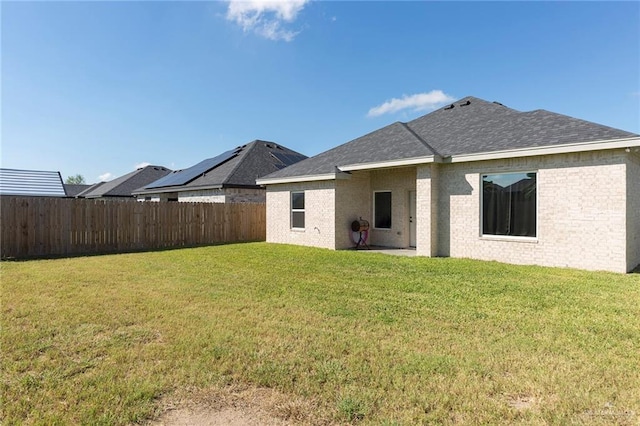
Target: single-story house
(227, 178)
(122, 187)
(36, 183)
(74, 189)
(474, 179)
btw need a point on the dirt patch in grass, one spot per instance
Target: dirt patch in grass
(238, 406)
(522, 402)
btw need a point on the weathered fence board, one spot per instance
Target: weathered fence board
(45, 226)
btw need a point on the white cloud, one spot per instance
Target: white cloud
(105, 177)
(418, 102)
(141, 165)
(265, 17)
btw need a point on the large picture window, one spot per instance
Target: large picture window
(382, 209)
(297, 210)
(509, 204)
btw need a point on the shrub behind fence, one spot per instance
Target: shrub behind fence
(43, 226)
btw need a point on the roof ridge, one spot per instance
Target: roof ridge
(249, 149)
(123, 180)
(425, 143)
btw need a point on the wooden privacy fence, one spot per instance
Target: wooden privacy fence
(44, 226)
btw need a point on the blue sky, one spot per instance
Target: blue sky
(99, 88)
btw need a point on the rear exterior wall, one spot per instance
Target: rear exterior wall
(633, 210)
(581, 216)
(319, 230)
(353, 202)
(400, 181)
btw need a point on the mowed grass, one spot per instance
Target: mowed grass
(366, 338)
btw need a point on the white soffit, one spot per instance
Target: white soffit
(387, 164)
(293, 179)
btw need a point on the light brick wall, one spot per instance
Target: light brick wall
(427, 183)
(399, 181)
(353, 201)
(588, 210)
(319, 214)
(581, 212)
(633, 210)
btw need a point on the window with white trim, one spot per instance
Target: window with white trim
(382, 209)
(297, 210)
(509, 204)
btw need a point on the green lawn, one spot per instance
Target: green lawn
(364, 337)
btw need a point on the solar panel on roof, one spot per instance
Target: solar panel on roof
(182, 177)
(288, 159)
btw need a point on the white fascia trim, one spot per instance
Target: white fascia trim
(547, 150)
(390, 163)
(293, 179)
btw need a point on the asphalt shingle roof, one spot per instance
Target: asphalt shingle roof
(471, 126)
(253, 160)
(124, 185)
(74, 189)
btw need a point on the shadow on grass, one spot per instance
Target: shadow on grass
(108, 252)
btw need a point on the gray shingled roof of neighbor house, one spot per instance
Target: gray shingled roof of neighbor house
(468, 126)
(245, 164)
(124, 185)
(91, 188)
(74, 189)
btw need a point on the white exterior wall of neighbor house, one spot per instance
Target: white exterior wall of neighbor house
(156, 197)
(399, 181)
(319, 206)
(224, 195)
(353, 201)
(633, 210)
(581, 215)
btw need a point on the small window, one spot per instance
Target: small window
(382, 209)
(509, 204)
(297, 210)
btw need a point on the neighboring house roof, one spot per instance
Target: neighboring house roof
(91, 188)
(31, 182)
(236, 168)
(469, 129)
(123, 186)
(73, 189)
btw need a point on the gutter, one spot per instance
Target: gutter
(546, 150)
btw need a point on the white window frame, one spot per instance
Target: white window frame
(509, 237)
(374, 209)
(292, 210)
